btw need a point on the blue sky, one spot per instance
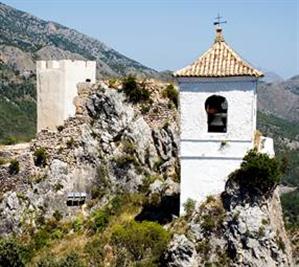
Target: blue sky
(169, 34)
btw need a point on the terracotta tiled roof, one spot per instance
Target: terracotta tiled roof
(219, 61)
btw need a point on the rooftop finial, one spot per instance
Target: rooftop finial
(217, 23)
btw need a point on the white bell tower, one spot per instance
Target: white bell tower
(218, 118)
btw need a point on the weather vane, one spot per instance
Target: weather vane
(218, 21)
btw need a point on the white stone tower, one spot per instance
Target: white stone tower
(218, 118)
(56, 88)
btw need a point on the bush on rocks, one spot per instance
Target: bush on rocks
(145, 241)
(134, 92)
(40, 157)
(172, 94)
(258, 172)
(14, 167)
(12, 254)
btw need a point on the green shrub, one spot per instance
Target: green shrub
(77, 224)
(97, 192)
(172, 94)
(57, 215)
(208, 223)
(116, 204)
(128, 147)
(158, 163)
(261, 232)
(134, 92)
(70, 142)
(40, 157)
(95, 250)
(71, 260)
(204, 247)
(112, 83)
(57, 234)
(258, 171)
(99, 221)
(189, 206)
(58, 186)
(145, 108)
(41, 239)
(60, 128)
(2, 161)
(147, 181)
(145, 240)
(10, 140)
(14, 167)
(47, 261)
(265, 222)
(125, 160)
(279, 241)
(102, 175)
(12, 254)
(123, 202)
(210, 199)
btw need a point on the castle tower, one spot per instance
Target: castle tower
(56, 88)
(218, 118)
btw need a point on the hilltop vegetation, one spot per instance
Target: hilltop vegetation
(17, 106)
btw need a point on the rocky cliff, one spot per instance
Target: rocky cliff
(234, 229)
(114, 148)
(107, 148)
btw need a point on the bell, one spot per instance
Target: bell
(217, 121)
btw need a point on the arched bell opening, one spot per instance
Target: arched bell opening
(216, 108)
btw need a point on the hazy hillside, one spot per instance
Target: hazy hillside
(25, 38)
(280, 98)
(17, 106)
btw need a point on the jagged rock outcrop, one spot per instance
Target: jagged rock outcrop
(107, 149)
(234, 229)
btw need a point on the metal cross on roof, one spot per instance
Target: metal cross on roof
(218, 21)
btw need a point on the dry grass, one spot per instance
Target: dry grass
(62, 247)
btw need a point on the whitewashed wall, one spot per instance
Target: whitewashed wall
(208, 158)
(56, 88)
(240, 95)
(203, 177)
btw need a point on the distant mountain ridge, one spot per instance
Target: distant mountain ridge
(280, 98)
(25, 38)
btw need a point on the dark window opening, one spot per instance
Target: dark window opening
(216, 108)
(76, 199)
(88, 80)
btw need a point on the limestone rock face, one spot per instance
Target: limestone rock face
(181, 252)
(235, 229)
(107, 149)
